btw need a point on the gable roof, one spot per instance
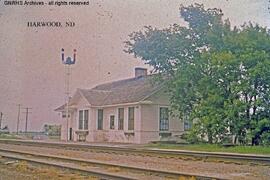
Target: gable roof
(120, 92)
(123, 91)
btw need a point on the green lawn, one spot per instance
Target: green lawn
(8, 136)
(54, 137)
(215, 148)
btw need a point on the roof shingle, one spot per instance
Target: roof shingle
(121, 92)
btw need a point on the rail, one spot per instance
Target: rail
(57, 161)
(150, 151)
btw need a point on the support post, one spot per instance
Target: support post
(1, 118)
(18, 118)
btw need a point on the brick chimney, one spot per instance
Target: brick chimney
(140, 72)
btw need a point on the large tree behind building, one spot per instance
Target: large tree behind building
(219, 75)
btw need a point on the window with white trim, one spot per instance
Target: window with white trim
(163, 119)
(131, 118)
(100, 119)
(112, 122)
(187, 123)
(120, 118)
(83, 119)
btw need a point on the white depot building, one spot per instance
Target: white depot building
(134, 110)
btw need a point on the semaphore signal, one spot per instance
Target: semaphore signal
(67, 62)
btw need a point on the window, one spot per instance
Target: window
(83, 119)
(131, 118)
(187, 123)
(112, 122)
(120, 118)
(86, 119)
(100, 119)
(163, 119)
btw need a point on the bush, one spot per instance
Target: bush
(265, 139)
(192, 137)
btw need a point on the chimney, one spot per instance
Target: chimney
(139, 72)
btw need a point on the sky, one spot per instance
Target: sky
(31, 71)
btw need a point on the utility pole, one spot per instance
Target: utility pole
(1, 118)
(18, 119)
(26, 117)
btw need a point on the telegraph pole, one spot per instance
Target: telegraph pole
(26, 117)
(18, 119)
(1, 118)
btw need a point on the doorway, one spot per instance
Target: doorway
(70, 134)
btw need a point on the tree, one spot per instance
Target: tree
(219, 76)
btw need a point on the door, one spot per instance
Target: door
(70, 134)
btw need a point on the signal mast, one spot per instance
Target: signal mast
(68, 62)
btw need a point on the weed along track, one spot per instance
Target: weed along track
(97, 168)
(140, 163)
(190, 155)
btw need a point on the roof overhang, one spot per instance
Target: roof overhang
(78, 94)
(123, 104)
(64, 109)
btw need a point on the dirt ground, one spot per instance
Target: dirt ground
(20, 170)
(227, 170)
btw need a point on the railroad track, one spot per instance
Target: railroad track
(97, 168)
(254, 159)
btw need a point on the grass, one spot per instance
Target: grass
(54, 137)
(8, 136)
(265, 150)
(24, 136)
(46, 172)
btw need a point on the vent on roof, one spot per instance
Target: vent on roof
(140, 72)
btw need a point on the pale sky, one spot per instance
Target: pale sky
(31, 72)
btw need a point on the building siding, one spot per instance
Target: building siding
(146, 122)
